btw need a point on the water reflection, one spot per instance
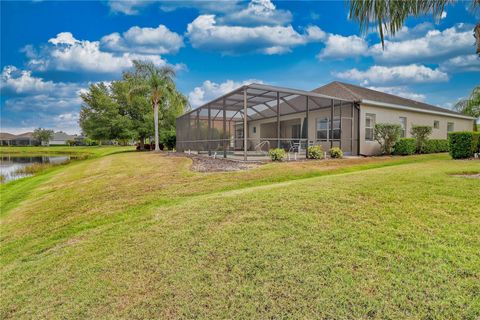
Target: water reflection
(11, 163)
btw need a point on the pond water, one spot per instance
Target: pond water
(11, 163)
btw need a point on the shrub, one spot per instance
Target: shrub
(276, 154)
(436, 145)
(168, 139)
(90, 142)
(315, 152)
(71, 142)
(421, 133)
(463, 144)
(336, 152)
(405, 146)
(387, 134)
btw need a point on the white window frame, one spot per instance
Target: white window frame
(317, 121)
(373, 117)
(448, 127)
(337, 126)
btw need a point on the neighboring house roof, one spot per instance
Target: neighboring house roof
(348, 91)
(61, 136)
(26, 135)
(7, 136)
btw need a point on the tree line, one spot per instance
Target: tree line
(144, 103)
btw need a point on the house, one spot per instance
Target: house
(61, 138)
(246, 122)
(24, 139)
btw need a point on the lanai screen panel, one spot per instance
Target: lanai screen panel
(218, 126)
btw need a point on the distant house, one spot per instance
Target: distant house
(61, 138)
(24, 139)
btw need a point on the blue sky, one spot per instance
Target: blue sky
(51, 51)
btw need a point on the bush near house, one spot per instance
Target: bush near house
(436, 146)
(168, 139)
(405, 146)
(276, 154)
(387, 134)
(336, 152)
(421, 133)
(463, 144)
(315, 152)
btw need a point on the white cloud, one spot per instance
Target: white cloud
(21, 82)
(133, 7)
(444, 15)
(66, 53)
(259, 12)
(127, 7)
(204, 33)
(434, 46)
(158, 40)
(339, 47)
(401, 91)
(210, 90)
(397, 74)
(466, 63)
(417, 31)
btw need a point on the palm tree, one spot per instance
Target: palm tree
(157, 83)
(471, 105)
(389, 15)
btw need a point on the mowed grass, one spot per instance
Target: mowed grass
(138, 235)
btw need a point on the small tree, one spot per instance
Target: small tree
(421, 133)
(387, 134)
(43, 135)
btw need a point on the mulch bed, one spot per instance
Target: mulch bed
(209, 164)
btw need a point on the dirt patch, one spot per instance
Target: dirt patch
(468, 175)
(209, 164)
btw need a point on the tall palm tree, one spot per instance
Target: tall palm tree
(389, 15)
(157, 83)
(471, 105)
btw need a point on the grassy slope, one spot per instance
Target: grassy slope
(139, 235)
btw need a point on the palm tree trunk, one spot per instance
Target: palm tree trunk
(155, 115)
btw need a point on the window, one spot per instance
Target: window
(436, 124)
(403, 124)
(254, 129)
(296, 128)
(369, 126)
(450, 126)
(323, 129)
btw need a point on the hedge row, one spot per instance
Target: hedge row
(436, 146)
(464, 144)
(407, 146)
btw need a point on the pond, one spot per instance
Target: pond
(10, 164)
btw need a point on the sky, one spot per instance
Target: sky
(52, 51)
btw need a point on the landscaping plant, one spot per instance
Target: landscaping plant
(463, 144)
(336, 152)
(277, 154)
(421, 133)
(436, 145)
(387, 134)
(315, 152)
(405, 146)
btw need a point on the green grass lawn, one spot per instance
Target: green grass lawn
(138, 235)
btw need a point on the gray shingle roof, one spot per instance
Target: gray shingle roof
(348, 91)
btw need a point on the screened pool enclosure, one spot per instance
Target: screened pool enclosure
(245, 123)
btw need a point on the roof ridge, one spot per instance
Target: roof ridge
(350, 91)
(391, 94)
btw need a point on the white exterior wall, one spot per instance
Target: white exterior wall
(390, 115)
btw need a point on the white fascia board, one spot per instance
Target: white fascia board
(400, 107)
